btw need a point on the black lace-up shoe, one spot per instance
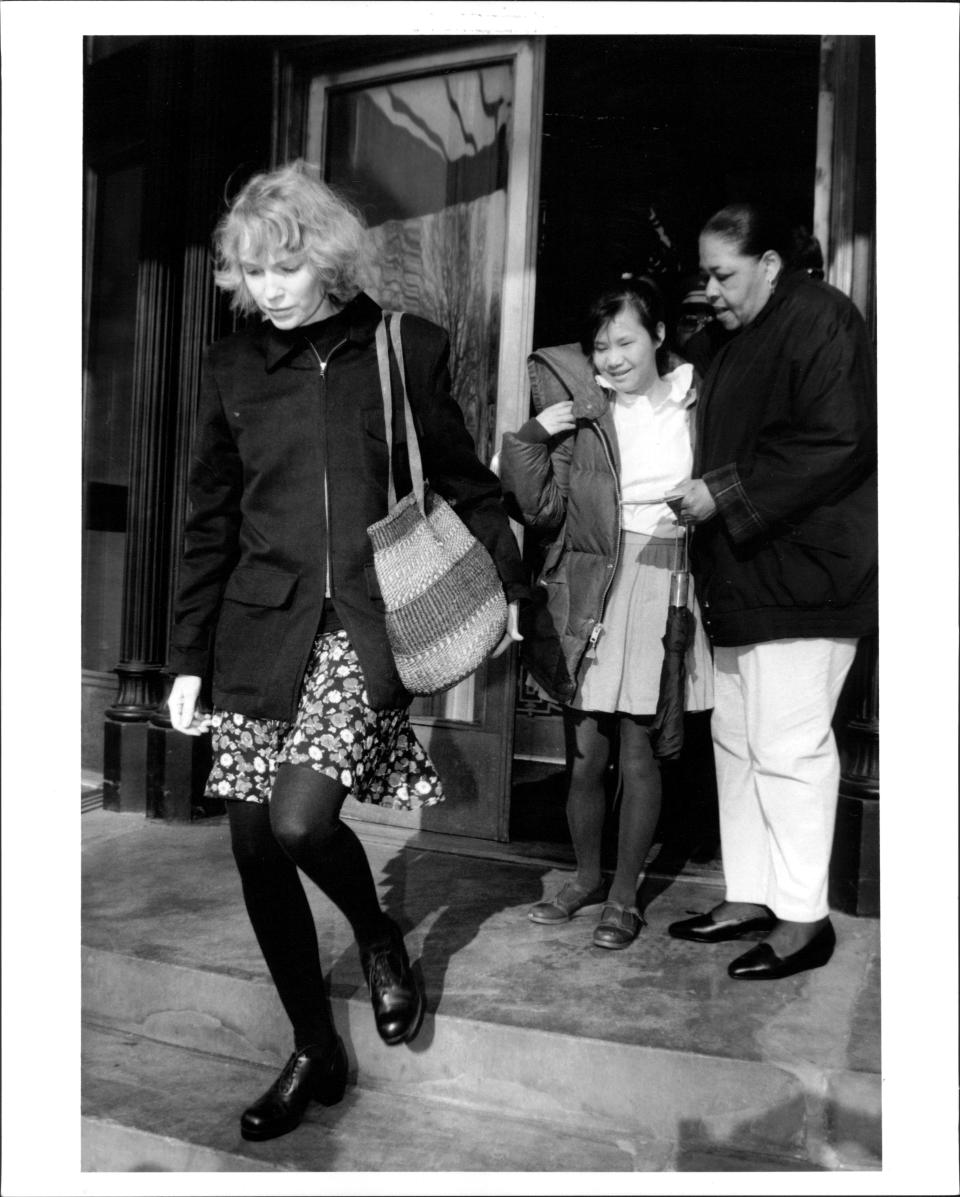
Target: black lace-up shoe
(308, 1075)
(395, 993)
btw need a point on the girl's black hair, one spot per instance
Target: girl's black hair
(640, 295)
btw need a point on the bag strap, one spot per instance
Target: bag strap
(413, 445)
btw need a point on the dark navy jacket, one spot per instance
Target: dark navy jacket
(786, 443)
(290, 460)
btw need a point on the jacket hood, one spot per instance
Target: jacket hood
(564, 372)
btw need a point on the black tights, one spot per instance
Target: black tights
(590, 738)
(301, 827)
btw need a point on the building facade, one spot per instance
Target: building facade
(503, 179)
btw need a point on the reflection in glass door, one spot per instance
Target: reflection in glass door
(427, 159)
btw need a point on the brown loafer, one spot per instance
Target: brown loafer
(568, 900)
(619, 926)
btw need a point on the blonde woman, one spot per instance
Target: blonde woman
(278, 602)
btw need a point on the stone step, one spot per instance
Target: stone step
(655, 1043)
(669, 1106)
(150, 1107)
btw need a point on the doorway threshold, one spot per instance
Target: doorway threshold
(536, 854)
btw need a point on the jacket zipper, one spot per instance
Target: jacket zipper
(328, 586)
(597, 629)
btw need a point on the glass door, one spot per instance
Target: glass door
(441, 153)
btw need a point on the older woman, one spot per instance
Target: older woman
(784, 494)
(278, 602)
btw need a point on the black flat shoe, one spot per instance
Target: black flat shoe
(704, 929)
(763, 964)
(395, 993)
(307, 1076)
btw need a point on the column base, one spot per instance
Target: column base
(157, 772)
(855, 862)
(177, 767)
(124, 766)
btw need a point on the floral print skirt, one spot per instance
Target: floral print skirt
(375, 754)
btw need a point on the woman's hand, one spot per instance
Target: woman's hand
(697, 504)
(183, 706)
(558, 417)
(513, 630)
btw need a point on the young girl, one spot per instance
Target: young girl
(589, 473)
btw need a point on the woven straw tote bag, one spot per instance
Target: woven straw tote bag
(445, 606)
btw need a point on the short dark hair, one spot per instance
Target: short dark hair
(641, 296)
(753, 229)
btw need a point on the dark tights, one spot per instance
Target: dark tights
(301, 827)
(590, 739)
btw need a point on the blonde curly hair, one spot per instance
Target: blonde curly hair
(291, 210)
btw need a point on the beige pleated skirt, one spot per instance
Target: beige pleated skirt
(622, 672)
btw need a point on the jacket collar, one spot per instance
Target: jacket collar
(788, 281)
(357, 323)
(681, 385)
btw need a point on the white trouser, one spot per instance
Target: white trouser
(778, 770)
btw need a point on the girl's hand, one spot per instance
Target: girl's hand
(696, 505)
(513, 629)
(182, 704)
(558, 417)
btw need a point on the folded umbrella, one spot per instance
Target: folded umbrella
(666, 731)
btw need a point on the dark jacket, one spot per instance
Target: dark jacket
(703, 346)
(275, 432)
(787, 446)
(566, 489)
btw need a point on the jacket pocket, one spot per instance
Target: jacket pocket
(823, 533)
(256, 586)
(254, 619)
(815, 564)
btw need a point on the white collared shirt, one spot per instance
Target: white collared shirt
(655, 451)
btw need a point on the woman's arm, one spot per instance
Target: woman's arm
(183, 706)
(535, 467)
(211, 534)
(827, 445)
